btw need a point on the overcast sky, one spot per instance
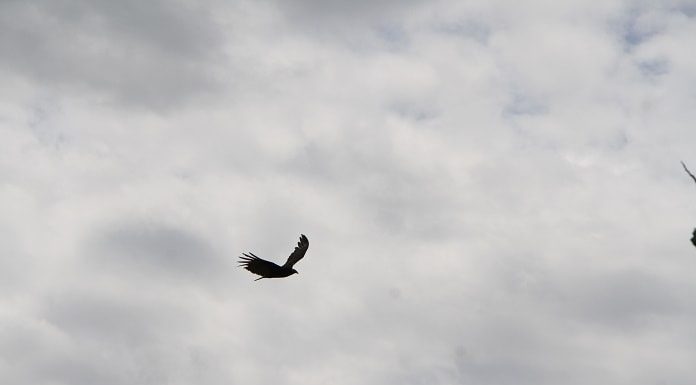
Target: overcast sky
(491, 190)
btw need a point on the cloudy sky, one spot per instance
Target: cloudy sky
(491, 189)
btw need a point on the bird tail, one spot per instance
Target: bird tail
(259, 278)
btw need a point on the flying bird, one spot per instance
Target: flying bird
(268, 269)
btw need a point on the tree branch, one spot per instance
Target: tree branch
(688, 172)
(693, 238)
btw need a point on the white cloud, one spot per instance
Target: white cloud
(492, 192)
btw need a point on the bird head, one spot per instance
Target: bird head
(295, 271)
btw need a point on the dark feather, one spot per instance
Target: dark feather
(299, 252)
(257, 265)
(268, 269)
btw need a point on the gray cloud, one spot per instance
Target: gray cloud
(149, 55)
(126, 320)
(491, 191)
(154, 249)
(343, 11)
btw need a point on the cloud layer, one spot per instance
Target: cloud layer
(491, 190)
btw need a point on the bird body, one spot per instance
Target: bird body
(267, 269)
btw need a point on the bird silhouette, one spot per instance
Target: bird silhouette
(267, 269)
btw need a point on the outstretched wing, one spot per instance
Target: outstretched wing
(257, 265)
(298, 253)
